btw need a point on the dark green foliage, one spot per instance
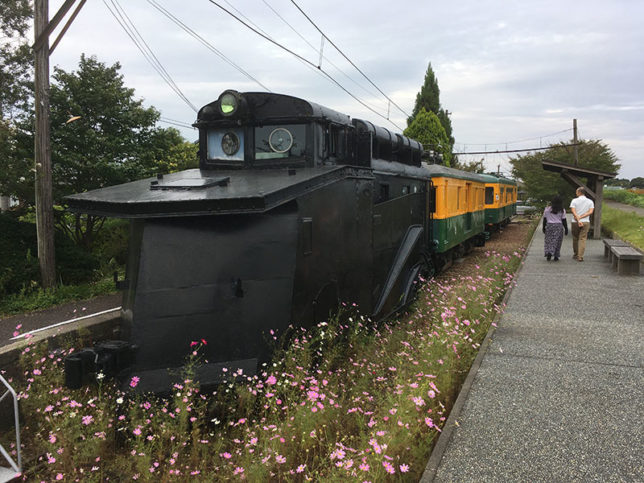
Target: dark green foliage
(543, 185)
(111, 243)
(19, 268)
(622, 182)
(429, 99)
(636, 183)
(427, 130)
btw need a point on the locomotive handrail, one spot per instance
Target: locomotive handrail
(16, 466)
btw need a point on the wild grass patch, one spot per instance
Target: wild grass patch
(626, 225)
(39, 298)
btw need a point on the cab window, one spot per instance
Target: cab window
(284, 141)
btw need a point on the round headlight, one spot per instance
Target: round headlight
(228, 103)
(230, 143)
(280, 140)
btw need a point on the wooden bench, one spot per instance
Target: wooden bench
(609, 243)
(626, 260)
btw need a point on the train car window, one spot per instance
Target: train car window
(405, 190)
(432, 199)
(275, 142)
(489, 195)
(225, 144)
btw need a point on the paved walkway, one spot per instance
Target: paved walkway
(621, 206)
(559, 394)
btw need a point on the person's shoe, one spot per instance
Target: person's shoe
(556, 259)
(580, 259)
(548, 257)
(574, 257)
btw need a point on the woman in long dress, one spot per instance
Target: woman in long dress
(554, 226)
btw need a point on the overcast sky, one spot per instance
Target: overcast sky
(513, 75)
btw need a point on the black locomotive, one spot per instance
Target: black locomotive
(294, 209)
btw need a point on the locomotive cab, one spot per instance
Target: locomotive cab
(259, 130)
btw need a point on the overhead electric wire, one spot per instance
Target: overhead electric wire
(516, 150)
(348, 60)
(130, 29)
(518, 141)
(207, 44)
(313, 47)
(326, 74)
(175, 122)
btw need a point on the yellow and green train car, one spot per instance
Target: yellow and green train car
(458, 215)
(500, 201)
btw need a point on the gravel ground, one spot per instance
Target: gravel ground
(513, 236)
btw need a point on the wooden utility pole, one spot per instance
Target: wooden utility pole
(44, 190)
(574, 142)
(42, 152)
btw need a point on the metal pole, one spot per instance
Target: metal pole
(42, 151)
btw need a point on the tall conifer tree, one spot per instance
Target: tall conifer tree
(429, 99)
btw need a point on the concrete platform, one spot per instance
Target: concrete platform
(558, 394)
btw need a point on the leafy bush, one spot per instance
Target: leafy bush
(625, 196)
(19, 270)
(111, 243)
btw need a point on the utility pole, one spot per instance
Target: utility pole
(42, 147)
(574, 141)
(44, 190)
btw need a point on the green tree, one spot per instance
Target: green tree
(427, 130)
(622, 182)
(113, 139)
(636, 183)
(15, 85)
(543, 185)
(429, 99)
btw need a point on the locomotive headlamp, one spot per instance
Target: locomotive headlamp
(229, 103)
(230, 143)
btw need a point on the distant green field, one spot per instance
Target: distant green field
(625, 225)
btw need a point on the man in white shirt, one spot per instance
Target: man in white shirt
(581, 208)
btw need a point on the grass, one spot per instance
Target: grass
(41, 298)
(626, 225)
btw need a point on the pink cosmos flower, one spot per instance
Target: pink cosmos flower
(300, 469)
(59, 476)
(87, 419)
(280, 459)
(404, 468)
(238, 470)
(135, 381)
(388, 467)
(271, 380)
